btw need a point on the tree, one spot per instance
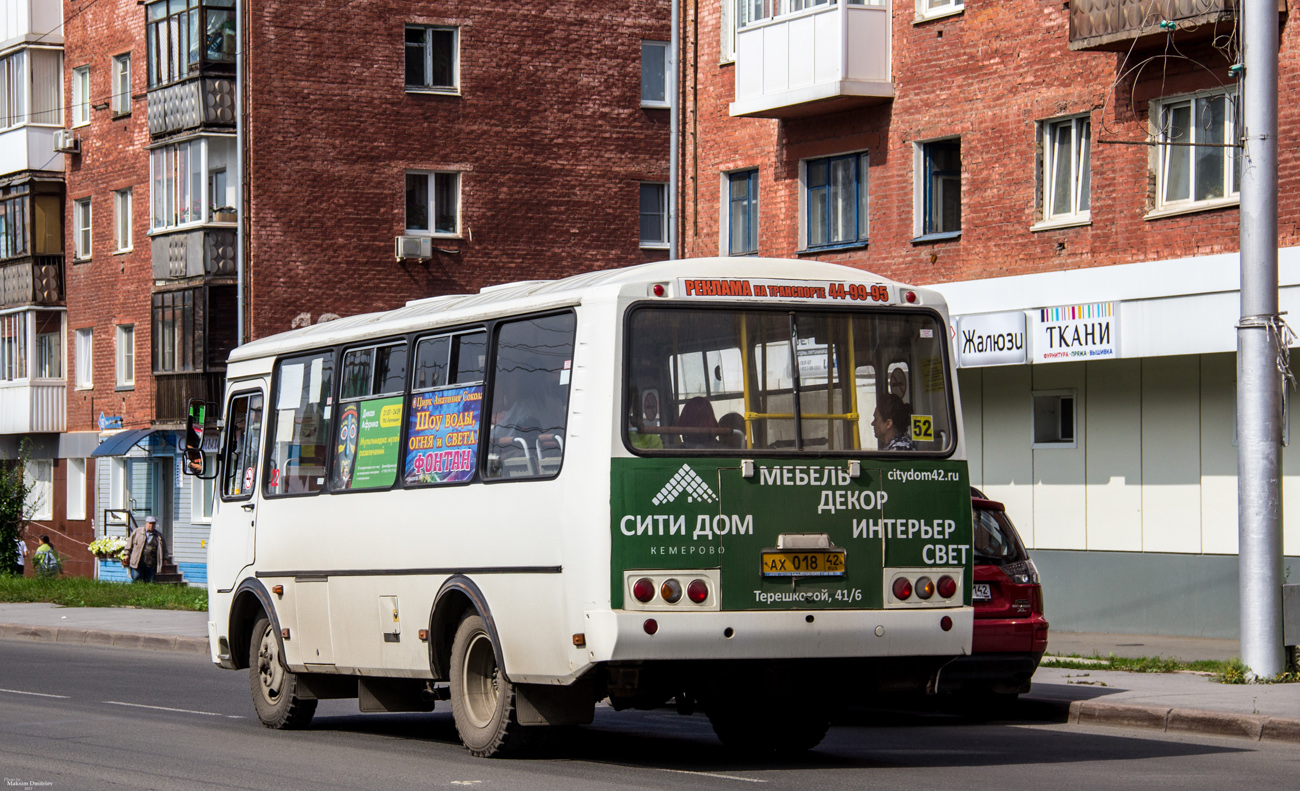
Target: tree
(15, 488)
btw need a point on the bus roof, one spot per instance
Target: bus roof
(533, 295)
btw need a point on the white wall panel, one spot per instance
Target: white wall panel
(1114, 455)
(1218, 454)
(1008, 465)
(1291, 472)
(1171, 454)
(1060, 503)
(970, 384)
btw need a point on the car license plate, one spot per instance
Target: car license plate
(983, 592)
(817, 563)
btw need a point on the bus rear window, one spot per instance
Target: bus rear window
(301, 410)
(704, 380)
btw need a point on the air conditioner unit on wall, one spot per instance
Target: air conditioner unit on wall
(66, 141)
(420, 247)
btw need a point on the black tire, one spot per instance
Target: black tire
(747, 729)
(482, 698)
(275, 689)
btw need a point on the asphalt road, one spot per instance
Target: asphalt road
(73, 717)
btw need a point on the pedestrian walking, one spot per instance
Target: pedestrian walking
(20, 560)
(46, 560)
(145, 551)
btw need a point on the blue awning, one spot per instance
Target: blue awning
(120, 444)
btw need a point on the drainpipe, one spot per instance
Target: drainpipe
(674, 122)
(239, 164)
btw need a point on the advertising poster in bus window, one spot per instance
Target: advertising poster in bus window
(443, 443)
(366, 454)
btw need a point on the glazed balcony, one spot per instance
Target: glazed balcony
(33, 392)
(1123, 25)
(173, 393)
(193, 331)
(826, 58)
(32, 20)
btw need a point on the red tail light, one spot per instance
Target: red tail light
(902, 589)
(947, 586)
(697, 591)
(643, 589)
(651, 626)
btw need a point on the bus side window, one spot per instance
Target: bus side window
(369, 420)
(530, 397)
(444, 414)
(300, 424)
(243, 438)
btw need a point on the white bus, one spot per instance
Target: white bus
(738, 484)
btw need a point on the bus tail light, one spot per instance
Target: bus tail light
(924, 588)
(643, 590)
(902, 589)
(947, 586)
(671, 591)
(651, 626)
(697, 591)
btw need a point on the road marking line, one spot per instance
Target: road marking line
(709, 774)
(37, 694)
(166, 708)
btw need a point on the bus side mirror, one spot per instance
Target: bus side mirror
(194, 425)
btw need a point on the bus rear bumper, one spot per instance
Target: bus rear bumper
(616, 635)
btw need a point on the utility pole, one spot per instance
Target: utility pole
(1260, 343)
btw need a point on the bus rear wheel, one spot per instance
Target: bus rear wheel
(482, 698)
(275, 689)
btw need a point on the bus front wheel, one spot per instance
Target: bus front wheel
(482, 698)
(275, 689)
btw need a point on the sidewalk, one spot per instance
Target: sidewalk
(1173, 702)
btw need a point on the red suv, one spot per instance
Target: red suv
(1010, 630)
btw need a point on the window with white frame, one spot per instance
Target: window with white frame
(201, 492)
(182, 37)
(81, 227)
(741, 218)
(1055, 419)
(1066, 145)
(49, 344)
(122, 219)
(927, 9)
(121, 84)
(85, 353)
(13, 345)
(126, 355)
(432, 58)
(654, 215)
(433, 203)
(1197, 159)
(117, 497)
(939, 189)
(187, 178)
(40, 498)
(655, 69)
(81, 96)
(76, 489)
(835, 200)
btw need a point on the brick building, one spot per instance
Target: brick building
(300, 162)
(1054, 167)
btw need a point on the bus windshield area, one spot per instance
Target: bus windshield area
(703, 380)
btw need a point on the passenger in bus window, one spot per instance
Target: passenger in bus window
(731, 431)
(892, 423)
(702, 427)
(515, 426)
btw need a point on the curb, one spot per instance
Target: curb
(1256, 727)
(96, 637)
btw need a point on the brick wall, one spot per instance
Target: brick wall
(110, 288)
(986, 75)
(548, 134)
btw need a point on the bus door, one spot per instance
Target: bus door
(235, 522)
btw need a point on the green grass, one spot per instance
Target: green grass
(80, 592)
(1231, 671)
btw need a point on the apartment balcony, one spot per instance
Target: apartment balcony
(198, 252)
(1123, 25)
(29, 148)
(173, 393)
(35, 280)
(817, 60)
(194, 103)
(32, 20)
(33, 406)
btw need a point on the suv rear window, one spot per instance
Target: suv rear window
(996, 540)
